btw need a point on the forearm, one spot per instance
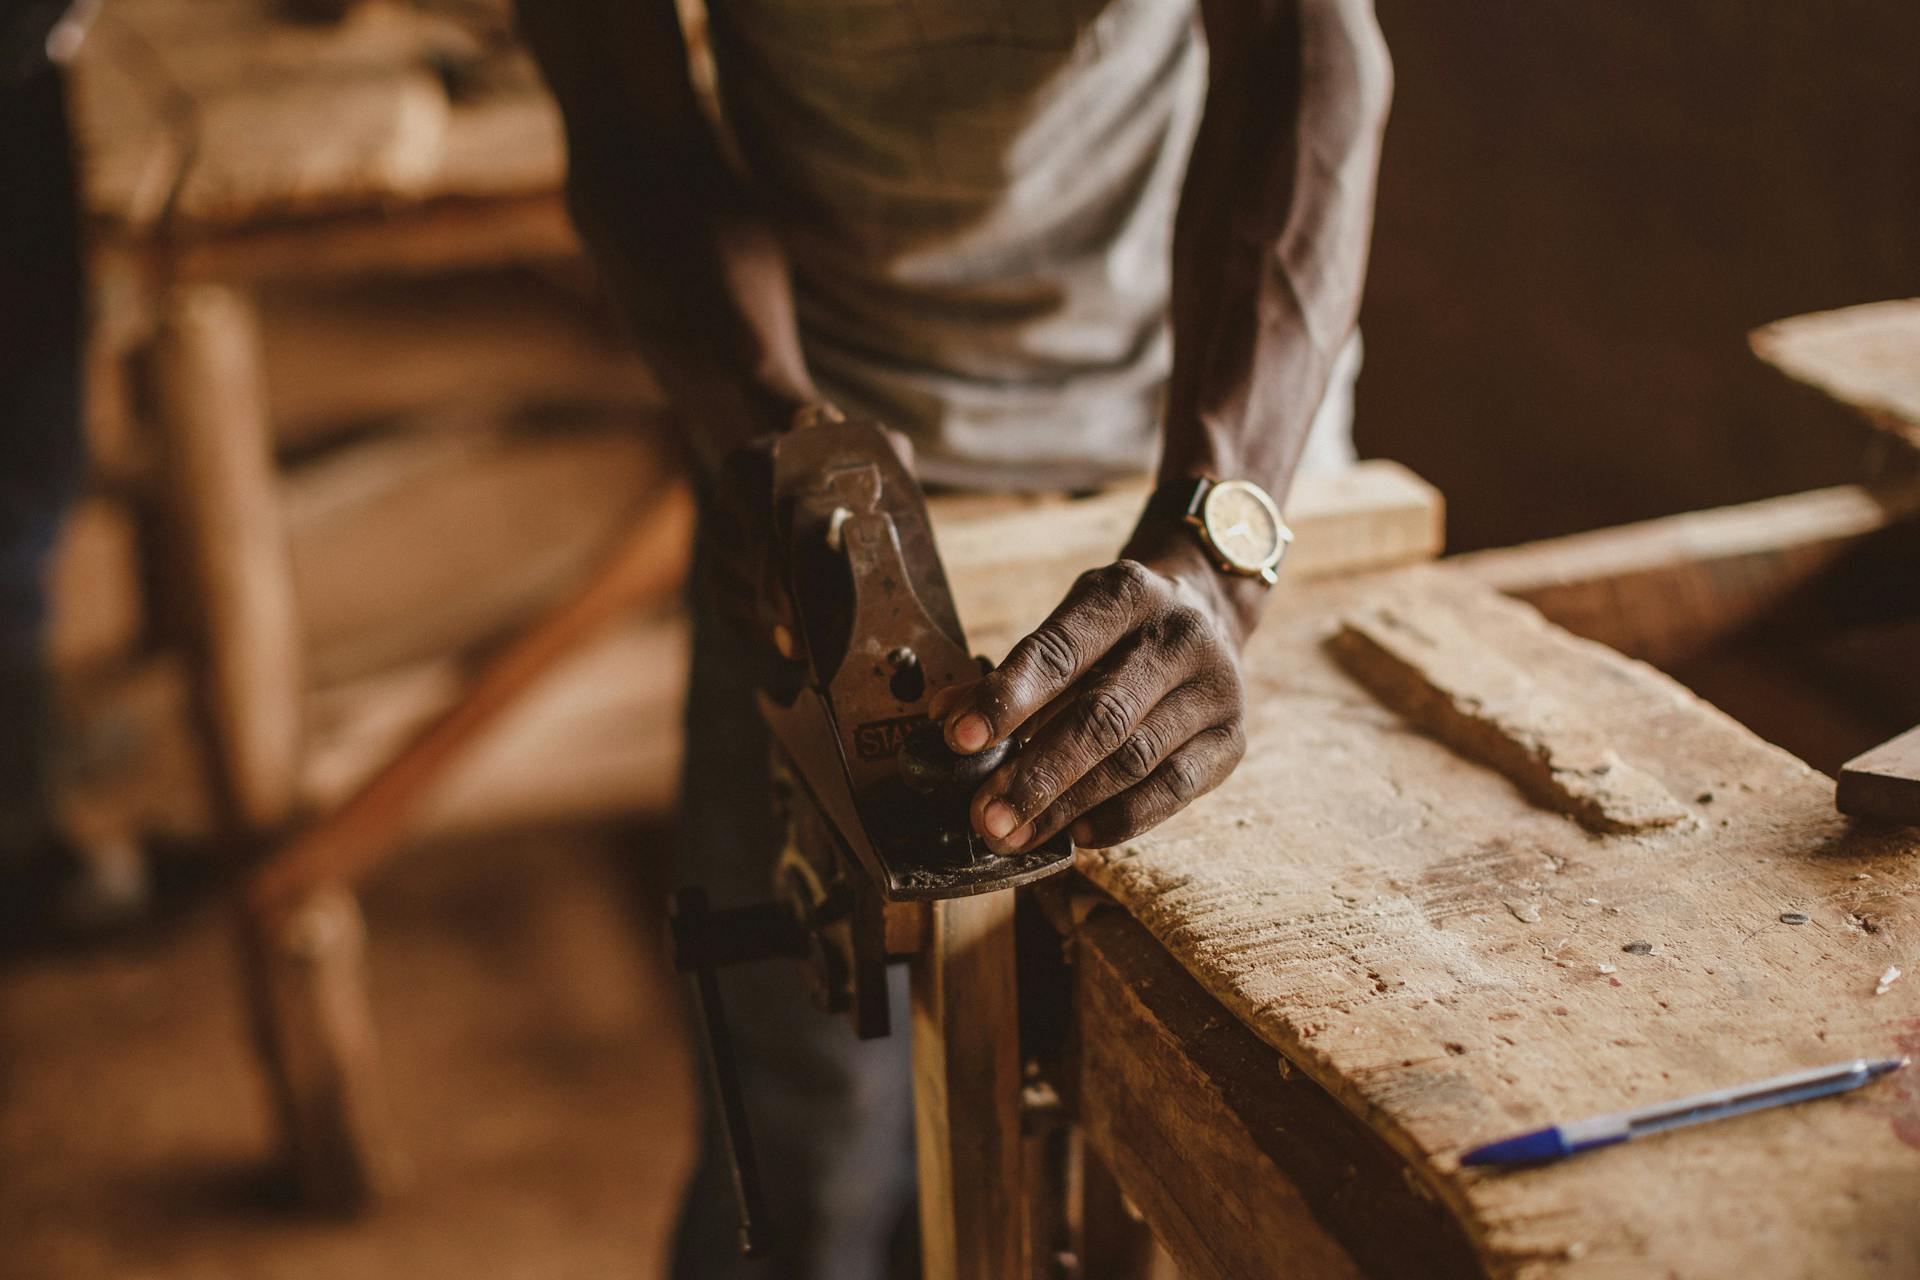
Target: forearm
(1270, 245)
(698, 272)
(704, 288)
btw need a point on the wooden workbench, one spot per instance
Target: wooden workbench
(1371, 950)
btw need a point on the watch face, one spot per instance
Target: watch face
(1244, 525)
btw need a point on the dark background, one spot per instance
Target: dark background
(1583, 210)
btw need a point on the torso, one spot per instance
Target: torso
(978, 199)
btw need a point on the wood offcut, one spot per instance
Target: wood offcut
(1884, 783)
(1424, 661)
(1867, 357)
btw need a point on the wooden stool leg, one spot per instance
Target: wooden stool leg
(966, 1084)
(308, 983)
(224, 508)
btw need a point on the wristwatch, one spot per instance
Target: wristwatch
(1237, 521)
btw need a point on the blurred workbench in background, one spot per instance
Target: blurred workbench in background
(356, 413)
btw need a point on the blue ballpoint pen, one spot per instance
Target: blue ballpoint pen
(1558, 1141)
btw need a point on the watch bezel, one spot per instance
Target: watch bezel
(1283, 536)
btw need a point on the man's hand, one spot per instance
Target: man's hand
(1129, 695)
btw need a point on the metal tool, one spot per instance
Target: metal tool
(1559, 1141)
(858, 632)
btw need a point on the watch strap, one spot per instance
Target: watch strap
(1179, 499)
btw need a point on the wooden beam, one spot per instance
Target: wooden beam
(418, 545)
(643, 568)
(1866, 357)
(966, 1090)
(307, 983)
(1670, 589)
(489, 344)
(1011, 561)
(451, 234)
(597, 739)
(1243, 1166)
(1884, 783)
(1451, 963)
(225, 520)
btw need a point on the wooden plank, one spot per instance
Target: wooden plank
(645, 567)
(311, 146)
(1010, 567)
(1668, 590)
(225, 519)
(452, 234)
(966, 1091)
(1426, 662)
(1867, 357)
(424, 543)
(344, 114)
(1884, 783)
(599, 738)
(494, 344)
(1447, 961)
(1243, 1167)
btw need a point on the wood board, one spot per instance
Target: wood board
(213, 114)
(1866, 357)
(1884, 783)
(1012, 560)
(1444, 957)
(1673, 588)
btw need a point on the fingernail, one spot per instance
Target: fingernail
(1019, 840)
(970, 732)
(998, 819)
(1083, 833)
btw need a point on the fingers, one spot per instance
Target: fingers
(1189, 773)
(1183, 715)
(1103, 606)
(1098, 719)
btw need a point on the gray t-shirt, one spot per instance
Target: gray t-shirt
(978, 200)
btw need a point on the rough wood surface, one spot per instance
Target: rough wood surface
(1668, 590)
(1446, 959)
(1424, 660)
(1242, 1170)
(1884, 783)
(1867, 357)
(225, 525)
(966, 1092)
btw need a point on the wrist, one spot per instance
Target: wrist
(1172, 548)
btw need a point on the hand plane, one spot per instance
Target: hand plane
(859, 630)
